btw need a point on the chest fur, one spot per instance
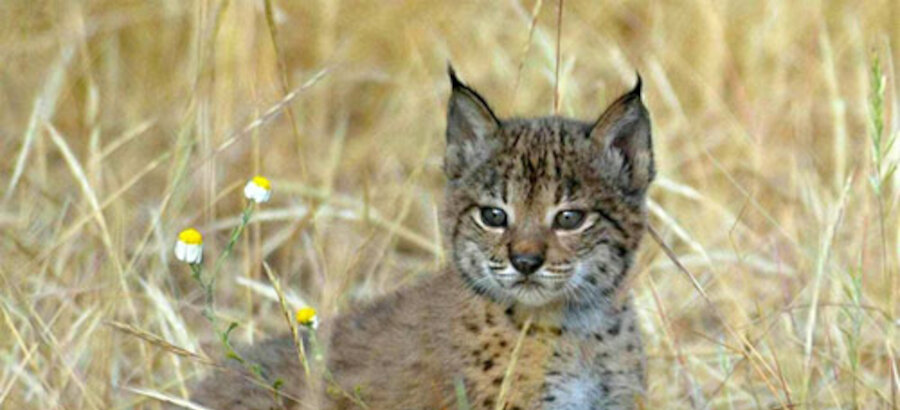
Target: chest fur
(596, 365)
(574, 365)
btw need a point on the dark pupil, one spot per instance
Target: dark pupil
(569, 219)
(493, 217)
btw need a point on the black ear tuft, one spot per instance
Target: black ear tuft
(636, 90)
(454, 80)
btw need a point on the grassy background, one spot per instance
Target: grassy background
(123, 122)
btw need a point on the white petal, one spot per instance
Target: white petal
(266, 194)
(194, 254)
(180, 251)
(249, 189)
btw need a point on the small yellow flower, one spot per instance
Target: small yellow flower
(258, 189)
(189, 247)
(306, 316)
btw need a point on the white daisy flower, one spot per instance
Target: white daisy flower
(258, 189)
(189, 247)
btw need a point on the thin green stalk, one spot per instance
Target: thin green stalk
(235, 234)
(197, 274)
(232, 240)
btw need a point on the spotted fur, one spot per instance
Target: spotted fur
(414, 349)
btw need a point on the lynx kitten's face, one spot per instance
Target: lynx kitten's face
(548, 209)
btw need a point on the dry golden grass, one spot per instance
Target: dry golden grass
(124, 122)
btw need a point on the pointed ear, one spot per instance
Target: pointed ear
(471, 125)
(621, 138)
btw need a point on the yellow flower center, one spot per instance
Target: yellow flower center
(191, 236)
(305, 315)
(262, 182)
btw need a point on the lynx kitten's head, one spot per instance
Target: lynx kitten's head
(547, 209)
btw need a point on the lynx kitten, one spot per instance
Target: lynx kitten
(542, 218)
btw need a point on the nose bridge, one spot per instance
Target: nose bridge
(528, 238)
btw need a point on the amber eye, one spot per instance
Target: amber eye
(568, 220)
(493, 217)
